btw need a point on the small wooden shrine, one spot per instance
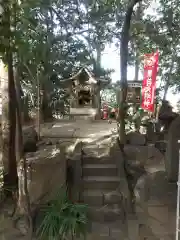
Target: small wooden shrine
(84, 92)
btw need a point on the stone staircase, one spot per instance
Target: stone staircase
(99, 183)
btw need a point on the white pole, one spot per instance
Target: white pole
(178, 199)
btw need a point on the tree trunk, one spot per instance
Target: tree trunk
(98, 67)
(38, 113)
(169, 78)
(8, 109)
(98, 60)
(46, 111)
(25, 111)
(19, 140)
(137, 63)
(123, 66)
(5, 115)
(165, 90)
(23, 205)
(9, 128)
(13, 178)
(136, 73)
(98, 102)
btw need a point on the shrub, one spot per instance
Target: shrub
(63, 219)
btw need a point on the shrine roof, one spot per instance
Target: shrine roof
(91, 79)
(134, 83)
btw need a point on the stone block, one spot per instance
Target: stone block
(47, 173)
(135, 138)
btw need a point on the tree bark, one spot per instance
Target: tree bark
(165, 90)
(98, 102)
(13, 178)
(136, 74)
(46, 111)
(19, 139)
(137, 62)
(123, 69)
(5, 116)
(169, 77)
(97, 69)
(25, 109)
(38, 113)
(98, 60)
(23, 205)
(8, 109)
(9, 129)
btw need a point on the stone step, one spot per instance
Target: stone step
(99, 170)
(99, 197)
(105, 214)
(93, 197)
(99, 182)
(97, 160)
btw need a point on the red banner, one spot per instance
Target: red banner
(149, 81)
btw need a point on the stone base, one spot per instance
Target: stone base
(85, 113)
(85, 118)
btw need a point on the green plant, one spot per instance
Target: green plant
(63, 219)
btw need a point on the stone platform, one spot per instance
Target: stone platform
(86, 130)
